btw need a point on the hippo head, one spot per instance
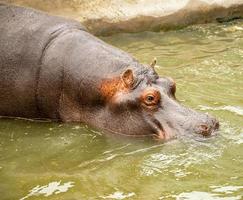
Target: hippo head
(139, 103)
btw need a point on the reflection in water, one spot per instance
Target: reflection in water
(226, 189)
(50, 189)
(181, 158)
(235, 109)
(218, 193)
(206, 62)
(119, 195)
(195, 195)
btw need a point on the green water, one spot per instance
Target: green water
(44, 160)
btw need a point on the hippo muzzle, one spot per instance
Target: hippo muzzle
(179, 120)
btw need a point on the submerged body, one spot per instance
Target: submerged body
(51, 67)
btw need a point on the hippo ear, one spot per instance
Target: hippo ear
(128, 78)
(153, 63)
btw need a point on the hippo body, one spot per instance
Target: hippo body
(24, 41)
(38, 52)
(51, 67)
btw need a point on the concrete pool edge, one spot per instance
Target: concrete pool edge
(106, 17)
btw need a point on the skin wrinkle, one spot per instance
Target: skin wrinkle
(64, 29)
(36, 90)
(61, 94)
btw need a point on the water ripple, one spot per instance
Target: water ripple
(177, 162)
(118, 195)
(234, 109)
(197, 195)
(50, 189)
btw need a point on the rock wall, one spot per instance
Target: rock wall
(103, 17)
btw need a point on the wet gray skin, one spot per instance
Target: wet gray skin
(55, 69)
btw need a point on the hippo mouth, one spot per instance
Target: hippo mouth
(160, 134)
(159, 130)
(164, 134)
(162, 130)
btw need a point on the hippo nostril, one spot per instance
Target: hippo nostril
(208, 128)
(204, 129)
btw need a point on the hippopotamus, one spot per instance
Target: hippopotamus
(53, 68)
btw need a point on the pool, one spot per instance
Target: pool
(46, 160)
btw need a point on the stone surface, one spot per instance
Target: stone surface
(103, 17)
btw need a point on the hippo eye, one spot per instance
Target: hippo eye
(151, 98)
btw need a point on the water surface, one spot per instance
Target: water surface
(44, 160)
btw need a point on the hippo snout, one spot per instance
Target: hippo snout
(208, 128)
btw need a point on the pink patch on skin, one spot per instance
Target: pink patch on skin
(166, 134)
